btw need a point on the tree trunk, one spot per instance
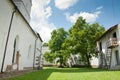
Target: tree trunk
(61, 61)
(88, 60)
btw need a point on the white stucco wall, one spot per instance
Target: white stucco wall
(5, 17)
(20, 29)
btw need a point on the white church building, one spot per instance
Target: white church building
(20, 45)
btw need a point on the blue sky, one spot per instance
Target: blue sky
(47, 15)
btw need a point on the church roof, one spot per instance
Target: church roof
(36, 34)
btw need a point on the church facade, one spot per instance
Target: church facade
(20, 45)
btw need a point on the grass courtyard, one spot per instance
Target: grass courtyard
(69, 74)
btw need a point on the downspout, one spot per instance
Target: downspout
(34, 53)
(6, 44)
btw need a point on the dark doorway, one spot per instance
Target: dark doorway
(117, 57)
(15, 49)
(100, 46)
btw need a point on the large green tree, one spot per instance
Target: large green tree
(55, 44)
(81, 39)
(83, 36)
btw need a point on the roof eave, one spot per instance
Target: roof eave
(109, 30)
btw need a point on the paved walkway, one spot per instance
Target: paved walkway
(13, 73)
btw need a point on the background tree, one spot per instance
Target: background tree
(45, 44)
(83, 36)
(49, 57)
(55, 44)
(81, 39)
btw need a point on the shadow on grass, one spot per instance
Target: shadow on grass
(45, 73)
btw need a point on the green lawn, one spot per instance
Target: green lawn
(70, 74)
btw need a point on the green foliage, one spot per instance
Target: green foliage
(80, 39)
(57, 38)
(83, 36)
(55, 44)
(45, 44)
(49, 56)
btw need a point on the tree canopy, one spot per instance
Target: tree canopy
(55, 44)
(81, 39)
(84, 36)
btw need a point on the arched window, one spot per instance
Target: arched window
(29, 50)
(15, 49)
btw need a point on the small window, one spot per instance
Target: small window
(100, 46)
(15, 49)
(29, 50)
(114, 35)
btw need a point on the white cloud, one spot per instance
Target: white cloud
(40, 14)
(48, 12)
(99, 8)
(65, 4)
(89, 17)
